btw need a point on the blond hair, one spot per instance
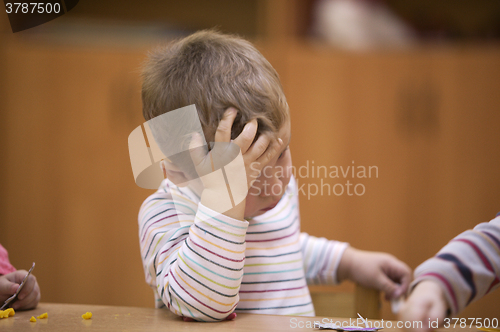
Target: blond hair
(214, 71)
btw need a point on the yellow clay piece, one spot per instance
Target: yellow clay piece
(10, 312)
(87, 315)
(42, 316)
(32, 319)
(7, 313)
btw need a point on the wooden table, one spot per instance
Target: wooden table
(67, 317)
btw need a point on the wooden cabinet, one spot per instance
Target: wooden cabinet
(68, 197)
(426, 119)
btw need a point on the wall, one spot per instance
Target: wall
(427, 119)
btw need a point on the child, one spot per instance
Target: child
(205, 262)
(10, 279)
(464, 270)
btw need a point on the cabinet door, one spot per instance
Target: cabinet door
(425, 119)
(69, 201)
(345, 114)
(468, 168)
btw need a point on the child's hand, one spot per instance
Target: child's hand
(375, 270)
(426, 302)
(29, 296)
(254, 157)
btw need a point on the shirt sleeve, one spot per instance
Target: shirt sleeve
(468, 267)
(193, 257)
(321, 258)
(5, 266)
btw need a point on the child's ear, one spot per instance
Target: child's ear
(173, 173)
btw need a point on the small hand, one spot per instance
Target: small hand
(255, 156)
(7, 288)
(29, 296)
(242, 160)
(375, 270)
(427, 301)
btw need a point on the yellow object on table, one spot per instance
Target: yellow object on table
(44, 315)
(32, 319)
(87, 315)
(7, 313)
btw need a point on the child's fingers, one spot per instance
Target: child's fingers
(271, 152)
(30, 301)
(397, 274)
(27, 288)
(401, 274)
(223, 133)
(16, 276)
(13, 280)
(245, 139)
(257, 148)
(387, 286)
(404, 282)
(7, 287)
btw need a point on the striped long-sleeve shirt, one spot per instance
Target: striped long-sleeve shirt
(205, 265)
(468, 267)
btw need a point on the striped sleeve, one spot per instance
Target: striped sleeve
(468, 267)
(193, 257)
(321, 259)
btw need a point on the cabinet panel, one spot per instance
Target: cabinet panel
(426, 119)
(69, 201)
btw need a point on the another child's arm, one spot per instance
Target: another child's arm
(427, 301)
(29, 296)
(464, 270)
(375, 270)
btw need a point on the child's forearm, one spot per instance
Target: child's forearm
(467, 267)
(199, 274)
